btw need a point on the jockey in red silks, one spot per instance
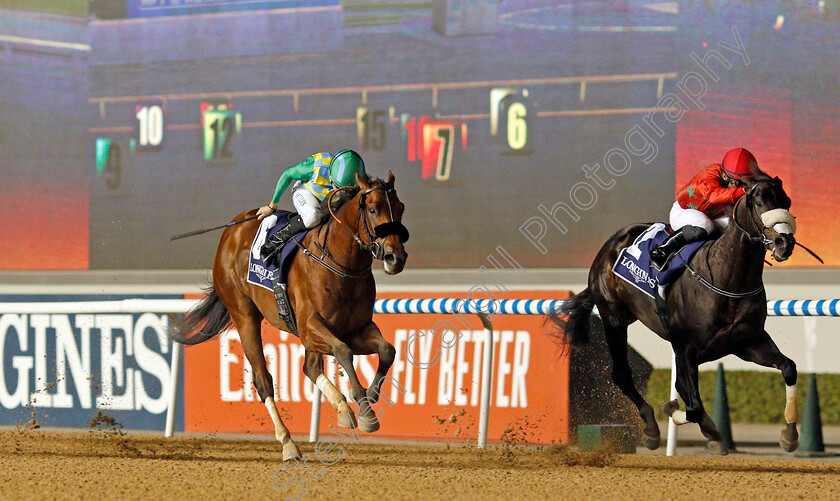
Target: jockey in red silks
(701, 203)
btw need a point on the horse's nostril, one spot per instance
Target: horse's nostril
(390, 258)
(780, 242)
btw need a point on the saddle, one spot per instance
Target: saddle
(274, 276)
(634, 266)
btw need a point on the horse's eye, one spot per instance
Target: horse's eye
(758, 204)
(372, 210)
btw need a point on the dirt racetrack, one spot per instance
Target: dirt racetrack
(110, 465)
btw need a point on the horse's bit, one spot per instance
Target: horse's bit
(381, 231)
(375, 248)
(761, 237)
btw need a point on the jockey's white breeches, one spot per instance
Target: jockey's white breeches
(680, 217)
(311, 209)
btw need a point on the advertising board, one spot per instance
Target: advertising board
(62, 370)
(434, 390)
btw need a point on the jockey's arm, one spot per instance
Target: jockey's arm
(299, 172)
(710, 188)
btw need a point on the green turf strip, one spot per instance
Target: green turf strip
(358, 21)
(69, 7)
(754, 397)
(351, 6)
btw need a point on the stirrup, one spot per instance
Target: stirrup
(658, 257)
(274, 243)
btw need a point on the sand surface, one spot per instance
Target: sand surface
(110, 465)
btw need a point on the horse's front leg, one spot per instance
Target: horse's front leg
(763, 351)
(367, 419)
(313, 367)
(689, 389)
(368, 342)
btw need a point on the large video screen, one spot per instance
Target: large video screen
(538, 127)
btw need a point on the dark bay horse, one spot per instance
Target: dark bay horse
(332, 297)
(719, 312)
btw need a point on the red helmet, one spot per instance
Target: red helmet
(739, 163)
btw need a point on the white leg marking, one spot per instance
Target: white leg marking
(679, 417)
(281, 433)
(280, 430)
(791, 409)
(330, 391)
(336, 398)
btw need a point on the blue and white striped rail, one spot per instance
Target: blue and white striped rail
(484, 308)
(775, 307)
(804, 307)
(475, 306)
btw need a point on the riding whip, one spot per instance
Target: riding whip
(199, 232)
(818, 258)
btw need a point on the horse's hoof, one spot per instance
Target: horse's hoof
(717, 448)
(789, 441)
(652, 443)
(789, 446)
(346, 418)
(669, 407)
(368, 426)
(291, 451)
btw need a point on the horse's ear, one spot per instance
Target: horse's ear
(362, 182)
(391, 178)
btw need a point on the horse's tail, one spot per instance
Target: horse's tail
(571, 323)
(205, 321)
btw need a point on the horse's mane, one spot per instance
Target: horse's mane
(758, 174)
(377, 180)
(761, 176)
(350, 193)
(343, 197)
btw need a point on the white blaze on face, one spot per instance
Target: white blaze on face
(781, 220)
(783, 228)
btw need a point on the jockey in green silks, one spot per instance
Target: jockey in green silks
(315, 178)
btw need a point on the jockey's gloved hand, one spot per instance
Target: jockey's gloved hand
(265, 210)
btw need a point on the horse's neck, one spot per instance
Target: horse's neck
(339, 239)
(741, 261)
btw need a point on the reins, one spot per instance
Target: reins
(752, 238)
(372, 246)
(358, 275)
(761, 238)
(718, 290)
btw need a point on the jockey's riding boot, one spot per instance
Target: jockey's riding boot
(687, 234)
(283, 235)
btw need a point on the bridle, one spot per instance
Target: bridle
(380, 231)
(375, 248)
(748, 199)
(760, 238)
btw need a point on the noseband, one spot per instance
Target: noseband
(381, 231)
(761, 237)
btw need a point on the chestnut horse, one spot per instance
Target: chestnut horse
(717, 309)
(332, 297)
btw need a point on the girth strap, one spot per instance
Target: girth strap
(662, 310)
(284, 306)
